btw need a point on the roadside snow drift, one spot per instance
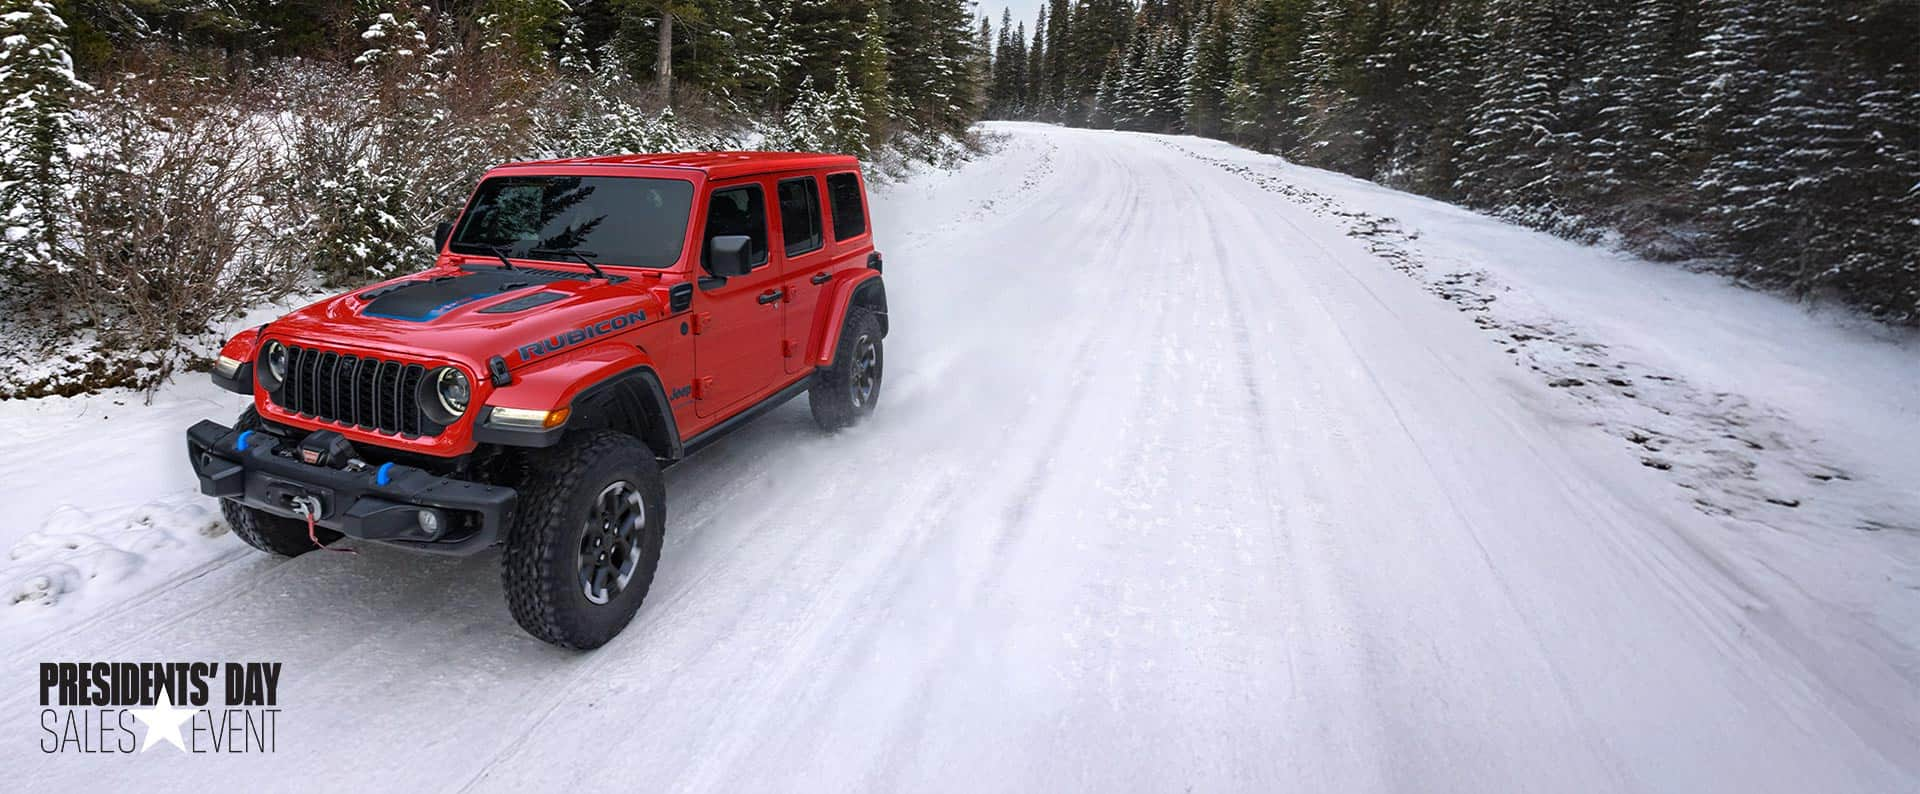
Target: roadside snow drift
(1195, 470)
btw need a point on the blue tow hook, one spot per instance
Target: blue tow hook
(382, 477)
(241, 442)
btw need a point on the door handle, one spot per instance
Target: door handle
(771, 296)
(820, 278)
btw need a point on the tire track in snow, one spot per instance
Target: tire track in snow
(861, 627)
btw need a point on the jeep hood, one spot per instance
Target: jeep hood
(473, 313)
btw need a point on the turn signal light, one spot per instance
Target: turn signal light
(527, 419)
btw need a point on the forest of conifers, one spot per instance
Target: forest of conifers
(167, 163)
(1776, 140)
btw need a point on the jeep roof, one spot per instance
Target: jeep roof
(716, 165)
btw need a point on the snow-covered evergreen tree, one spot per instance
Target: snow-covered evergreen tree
(1508, 162)
(37, 135)
(1208, 72)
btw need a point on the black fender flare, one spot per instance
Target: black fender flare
(632, 401)
(872, 294)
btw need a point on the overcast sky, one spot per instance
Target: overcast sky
(1023, 11)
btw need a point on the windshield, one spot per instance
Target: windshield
(623, 221)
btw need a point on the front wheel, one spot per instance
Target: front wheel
(845, 393)
(585, 540)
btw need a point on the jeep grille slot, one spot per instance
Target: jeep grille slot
(367, 392)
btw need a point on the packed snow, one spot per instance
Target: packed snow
(1195, 470)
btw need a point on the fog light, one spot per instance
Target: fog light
(429, 522)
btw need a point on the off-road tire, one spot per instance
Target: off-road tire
(541, 564)
(286, 537)
(833, 395)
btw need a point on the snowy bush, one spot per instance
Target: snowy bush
(175, 221)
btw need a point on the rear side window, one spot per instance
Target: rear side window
(800, 215)
(849, 215)
(738, 210)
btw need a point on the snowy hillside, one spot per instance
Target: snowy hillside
(1196, 470)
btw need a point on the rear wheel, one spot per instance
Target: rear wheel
(845, 393)
(265, 531)
(585, 540)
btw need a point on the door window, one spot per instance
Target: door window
(736, 211)
(800, 215)
(849, 216)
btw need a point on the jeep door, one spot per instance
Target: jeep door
(736, 349)
(849, 242)
(806, 264)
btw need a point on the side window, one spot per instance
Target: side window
(738, 210)
(800, 215)
(849, 217)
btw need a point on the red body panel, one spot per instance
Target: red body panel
(719, 357)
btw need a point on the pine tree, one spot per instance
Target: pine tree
(1051, 93)
(1447, 87)
(932, 63)
(870, 76)
(1632, 161)
(1805, 185)
(1208, 72)
(1130, 104)
(982, 62)
(37, 136)
(1267, 37)
(1017, 89)
(532, 27)
(1508, 163)
(1033, 91)
(1000, 80)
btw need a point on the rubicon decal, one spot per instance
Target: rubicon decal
(130, 707)
(581, 334)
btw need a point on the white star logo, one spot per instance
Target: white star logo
(163, 723)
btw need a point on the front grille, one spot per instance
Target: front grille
(362, 391)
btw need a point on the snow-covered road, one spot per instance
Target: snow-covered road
(1177, 485)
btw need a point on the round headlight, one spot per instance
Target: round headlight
(451, 386)
(276, 361)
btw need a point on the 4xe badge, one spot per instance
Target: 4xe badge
(198, 707)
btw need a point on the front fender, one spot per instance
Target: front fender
(572, 381)
(240, 348)
(846, 287)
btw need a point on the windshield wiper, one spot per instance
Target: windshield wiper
(501, 251)
(582, 256)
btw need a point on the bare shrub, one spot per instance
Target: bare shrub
(174, 221)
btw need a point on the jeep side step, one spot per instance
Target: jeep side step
(715, 433)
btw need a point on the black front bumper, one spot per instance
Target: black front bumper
(371, 503)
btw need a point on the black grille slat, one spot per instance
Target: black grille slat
(310, 382)
(388, 394)
(409, 387)
(371, 393)
(343, 389)
(289, 390)
(323, 404)
(367, 402)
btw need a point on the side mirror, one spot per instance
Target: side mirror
(440, 235)
(730, 255)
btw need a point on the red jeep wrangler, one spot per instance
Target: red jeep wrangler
(588, 323)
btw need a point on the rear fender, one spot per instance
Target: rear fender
(849, 288)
